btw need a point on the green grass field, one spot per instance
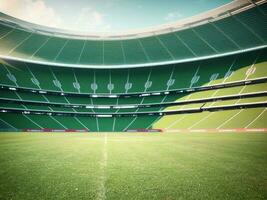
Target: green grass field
(133, 166)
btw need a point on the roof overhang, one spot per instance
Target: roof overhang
(233, 7)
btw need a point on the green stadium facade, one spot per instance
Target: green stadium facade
(212, 75)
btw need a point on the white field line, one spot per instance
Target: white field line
(256, 118)
(7, 124)
(230, 119)
(101, 192)
(204, 118)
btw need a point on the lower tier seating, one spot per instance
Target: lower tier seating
(238, 118)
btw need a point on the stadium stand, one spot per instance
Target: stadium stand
(210, 76)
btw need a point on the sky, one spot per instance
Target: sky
(105, 15)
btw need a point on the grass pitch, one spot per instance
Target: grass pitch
(133, 166)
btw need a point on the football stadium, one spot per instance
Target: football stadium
(175, 111)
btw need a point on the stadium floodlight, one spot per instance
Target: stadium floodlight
(103, 107)
(190, 90)
(125, 106)
(103, 115)
(42, 92)
(113, 96)
(11, 88)
(144, 95)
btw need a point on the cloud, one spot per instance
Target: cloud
(172, 16)
(32, 11)
(90, 19)
(37, 11)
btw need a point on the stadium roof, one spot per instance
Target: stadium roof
(214, 33)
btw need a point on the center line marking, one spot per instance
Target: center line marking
(101, 195)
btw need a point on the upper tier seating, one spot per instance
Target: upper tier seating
(236, 32)
(228, 69)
